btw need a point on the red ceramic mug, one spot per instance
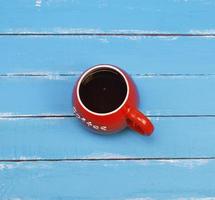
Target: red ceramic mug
(105, 99)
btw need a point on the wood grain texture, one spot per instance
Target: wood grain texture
(189, 95)
(65, 138)
(105, 16)
(137, 55)
(173, 179)
(168, 48)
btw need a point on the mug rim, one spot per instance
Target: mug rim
(97, 67)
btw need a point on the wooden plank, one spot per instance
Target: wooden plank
(57, 138)
(104, 16)
(137, 55)
(173, 179)
(189, 95)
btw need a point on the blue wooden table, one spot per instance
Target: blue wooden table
(167, 46)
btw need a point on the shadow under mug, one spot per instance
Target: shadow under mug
(105, 99)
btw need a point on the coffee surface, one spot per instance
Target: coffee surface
(103, 90)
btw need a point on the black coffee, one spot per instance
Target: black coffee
(103, 90)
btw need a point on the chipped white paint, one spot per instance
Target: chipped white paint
(190, 164)
(143, 162)
(28, 158)
(69, 74)
(137, 31)
(104, 40)
(196, 198)
(185, 163)
(155, 118)
(40, 75)
(57, 77)
(120, 33)
(6, 166)
(7, 116)
(174, 76)
(77, 30)
(104, 156)
(168, 37)
(8, 119)
(114, 31)
(38, 3)
(207, 31)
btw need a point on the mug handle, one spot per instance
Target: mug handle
(139, 122)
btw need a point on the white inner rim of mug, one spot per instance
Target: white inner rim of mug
(98, 67)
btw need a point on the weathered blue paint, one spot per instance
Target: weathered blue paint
(189, 95)
(175, 76)
(171, 179)
(137, 55)
(170, 16)
(65, 138)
